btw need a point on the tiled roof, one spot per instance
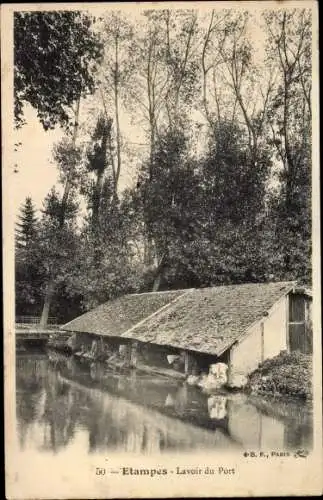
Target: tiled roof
(209, 320)
(116, 316)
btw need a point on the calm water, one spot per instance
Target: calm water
(62, 403)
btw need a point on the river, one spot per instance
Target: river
(64, 404)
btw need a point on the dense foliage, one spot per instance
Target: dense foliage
(221, 192)
(53, 63)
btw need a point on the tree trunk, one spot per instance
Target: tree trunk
(148, 249)
(159, 274)
(47, 303)
(68, 183)
(116, 104)
(99, 181)
(51, 282)
(157, 281)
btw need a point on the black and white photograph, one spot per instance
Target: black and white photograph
(161, 249)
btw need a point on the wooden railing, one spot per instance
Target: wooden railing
(32, 335)
(35, 326)
(34, 320)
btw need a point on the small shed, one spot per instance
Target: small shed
(241, 325)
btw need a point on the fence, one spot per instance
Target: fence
(34, 320)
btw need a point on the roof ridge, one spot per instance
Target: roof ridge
(183, 290)
(161, 309)
(257, 283)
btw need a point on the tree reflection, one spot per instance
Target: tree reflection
(58, 417)
(43, 399)
(61, 397)
(30, 376)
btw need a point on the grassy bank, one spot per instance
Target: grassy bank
(285, 374)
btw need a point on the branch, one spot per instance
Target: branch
(279, 150)
(161, 91)
(234, 110)
(183, 67)
(114, 173)
(216, 96)
(271, 84)
(306, 95)
(205, 71)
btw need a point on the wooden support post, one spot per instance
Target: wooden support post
(186, 362)
(128, 354)
(101, 348)
(133, 355)
(125, 353)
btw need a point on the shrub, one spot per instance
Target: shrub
(285, 374)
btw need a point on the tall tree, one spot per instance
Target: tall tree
(106, 265)
(26, 228)
(163, 196)
(166, 68)
(181, 64)
(97, 163)
(67, 157)
(290, 119)
(54, 59)
(230, 220)
(115, 72)
(28, 274)
(207, 215)
(56, 247)
(164, 54)
(228, 54)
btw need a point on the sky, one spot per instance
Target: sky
(35, 172)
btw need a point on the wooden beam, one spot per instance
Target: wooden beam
(262, 332)
(186, 362)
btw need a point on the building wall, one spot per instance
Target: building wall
(275, 330)
(246, 355)
(265, 339)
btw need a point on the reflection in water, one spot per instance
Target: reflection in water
(217, 406)
(59, 400)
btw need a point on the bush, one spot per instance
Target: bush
(285, 374)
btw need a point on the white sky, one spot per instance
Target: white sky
(36, 174)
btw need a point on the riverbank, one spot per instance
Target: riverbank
(283, 375)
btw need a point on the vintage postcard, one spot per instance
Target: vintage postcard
(162, 327)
